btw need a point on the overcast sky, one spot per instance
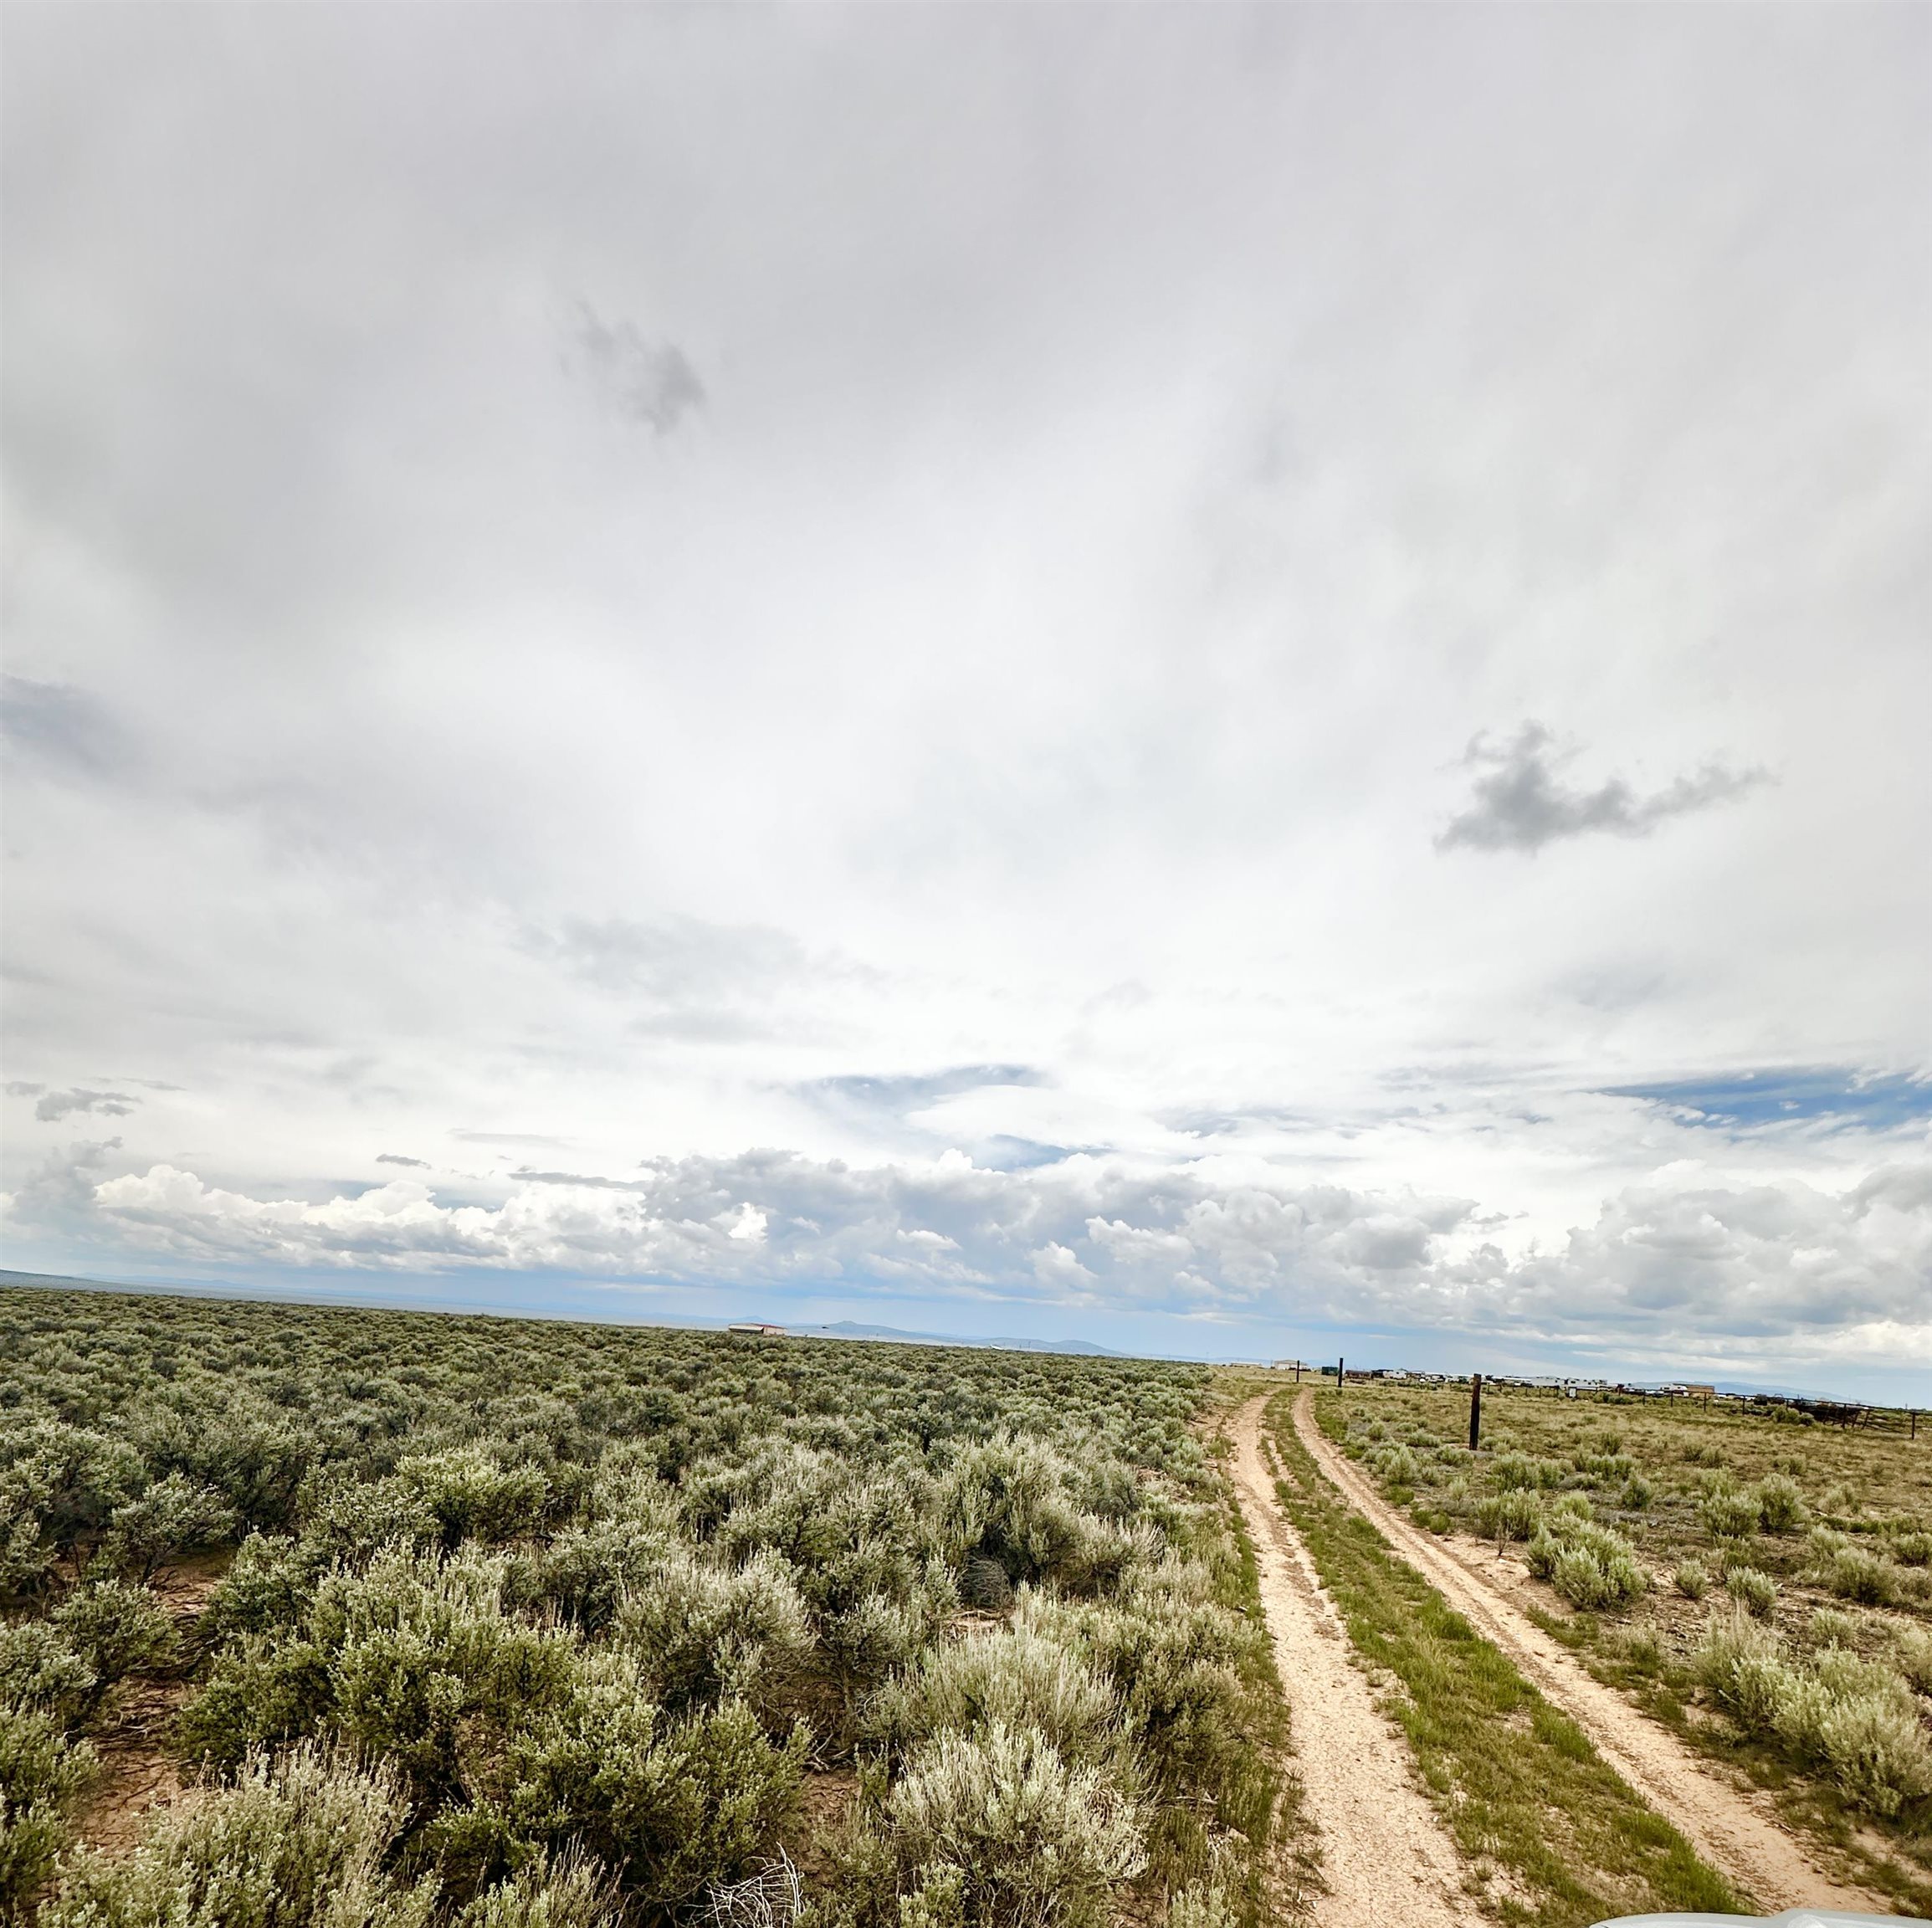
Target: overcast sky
(1226, 680)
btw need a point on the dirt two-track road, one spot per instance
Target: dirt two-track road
(1386, 1858)
(1730, 1828)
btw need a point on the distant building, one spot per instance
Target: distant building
(757, 1329)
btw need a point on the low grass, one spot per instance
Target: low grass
(1524, 1795)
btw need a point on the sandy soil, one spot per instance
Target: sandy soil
(1733, 1830)
(1386, 1858)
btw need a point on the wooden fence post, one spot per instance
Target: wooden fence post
(1475, 1410)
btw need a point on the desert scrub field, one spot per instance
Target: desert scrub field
(1762, 1587)
(486, 1621)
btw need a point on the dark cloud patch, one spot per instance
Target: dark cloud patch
(650, 383)
(1830, 1095)
(1520, 800)
(396, 1158)
(55, 1105)
(60, 726)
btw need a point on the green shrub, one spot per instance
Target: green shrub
(420, 1650)
(1857, 1717)
(1514, 1514)
(570, 1891)
(1914, 1647)
(1853, 1717)
(117, 1628)
(349, 1520)
(1590, 1566)
(261, 1692)
(1006, 1500)
(1022, 1835)
(43, 1772)
(701, 1634)
(174, 1515)
(1019, 1677)
(1639, 1493)
(39, 1668)
(1743, 1665)
(269, 1585)
(402, 1658)
(1203, 1904)
(1756, 1592)
(1393, 1465)
(1172, 1655)
(470, 1496)
(1829, 1628)
(1727, 1512)
(1913, 1549)
(1781, 1504)
(1690, 1579)
(585, 1573)
(1640, 1648)
(297, 1843)
(1858, 1573)
(671, 1808)
(1519, 1473)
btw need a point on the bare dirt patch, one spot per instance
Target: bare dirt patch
(1729, 1829)
(139, 1770)
(1386, 1860)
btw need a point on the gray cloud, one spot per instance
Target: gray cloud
(1521, 803)
(396, 1158)
(649, 381)
(61, 726)
(55, 1105)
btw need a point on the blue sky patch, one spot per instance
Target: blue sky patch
(1802, 1095)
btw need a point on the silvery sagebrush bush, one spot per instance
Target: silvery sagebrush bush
(1028, 1836)
(45, 1770)
(299, 1841)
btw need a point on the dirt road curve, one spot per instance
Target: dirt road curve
(1726, 1826)
(1387, 1862)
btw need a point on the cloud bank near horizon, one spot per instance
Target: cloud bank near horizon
(1778, 1274)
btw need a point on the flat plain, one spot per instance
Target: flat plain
(344, 1618)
